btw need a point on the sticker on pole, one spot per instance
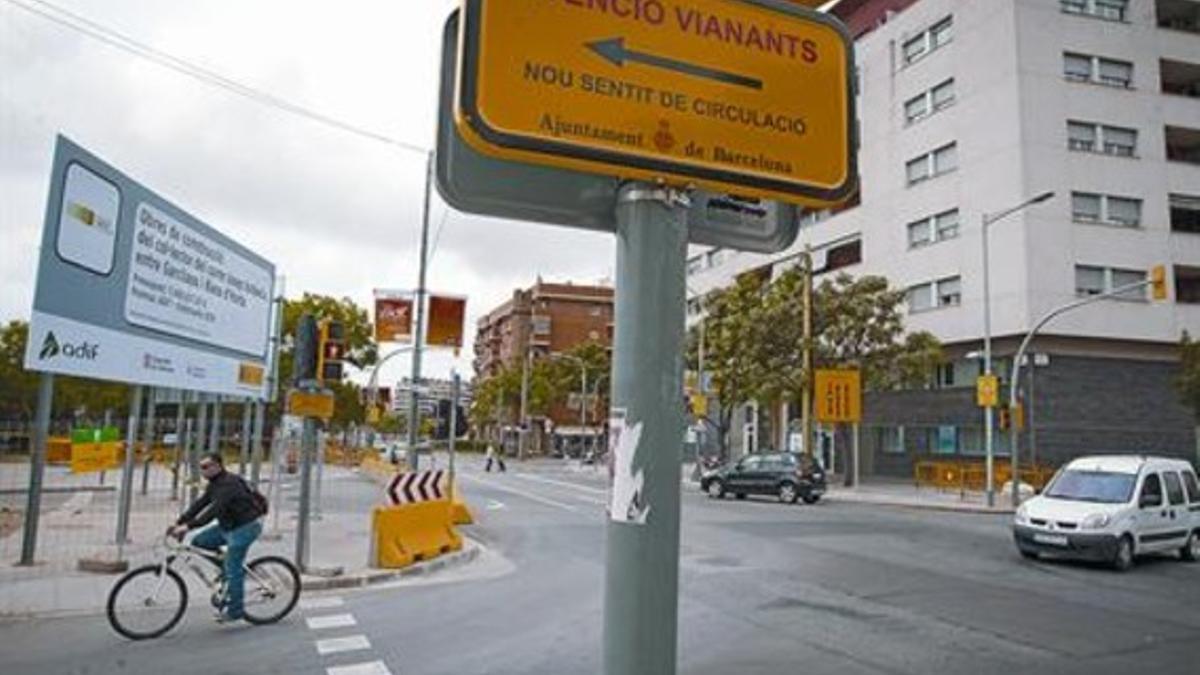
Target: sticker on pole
(627, 495)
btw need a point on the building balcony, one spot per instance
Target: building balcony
(1181, 15)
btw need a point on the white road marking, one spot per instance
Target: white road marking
(494, 505)
(343, 644)
(563, 483)
(368, 668)
(522, 493)
(321, 602)
(330, 621)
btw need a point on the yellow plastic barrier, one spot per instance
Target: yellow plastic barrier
(964, 476)
(459, 513)
(58, 450)
(403, 535)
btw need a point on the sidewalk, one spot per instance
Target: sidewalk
(904, 494)
(901, 493)
(338, 551)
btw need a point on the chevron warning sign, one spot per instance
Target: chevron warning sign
(418, 486)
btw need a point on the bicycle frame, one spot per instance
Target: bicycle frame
(177, 552)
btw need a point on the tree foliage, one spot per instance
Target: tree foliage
(1187, 383)
(754, 336)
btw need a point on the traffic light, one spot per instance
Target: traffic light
(441, 429)
(1003, 419)
(1158, 282)
(304, 363)
(1007, 416)
(331, 351)
(460, 422)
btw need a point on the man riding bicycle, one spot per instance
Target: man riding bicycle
(237, 509)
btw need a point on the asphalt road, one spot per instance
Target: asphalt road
(765, 588)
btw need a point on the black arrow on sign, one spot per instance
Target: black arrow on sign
(613, 50)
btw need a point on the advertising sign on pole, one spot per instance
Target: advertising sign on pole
(393, 316)
(716, 93)
(131, 288)
(95, 449)
(445, 326)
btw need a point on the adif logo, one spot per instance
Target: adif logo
(51, 348)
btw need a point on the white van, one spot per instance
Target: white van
(1111, 508)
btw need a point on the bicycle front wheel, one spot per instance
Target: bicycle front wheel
(272, 589)
(145, 603)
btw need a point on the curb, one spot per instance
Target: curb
(919, 506)
(469, 552)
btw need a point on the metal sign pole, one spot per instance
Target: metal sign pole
(642, 570)
(196, 446)
(454, 394)
(419, 328)
(214, 434)
(180, 440)
(308, 447)
(135, 406)
(148, 437)
(245, 455)
(322, 439)
(256, 446)
(37, 467)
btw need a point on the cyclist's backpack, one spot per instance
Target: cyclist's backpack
(260, 500)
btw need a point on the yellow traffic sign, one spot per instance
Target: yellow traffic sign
(746, 96)
(838, 396)
(699, 405)
(987, 391)
(310, 404)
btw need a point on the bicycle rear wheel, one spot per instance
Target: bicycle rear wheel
(145, 603)
(272, 589)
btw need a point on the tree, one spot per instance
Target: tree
(361, 349)
(729, 347)
(1188, 381)
(755, 330)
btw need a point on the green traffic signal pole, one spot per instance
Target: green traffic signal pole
(641, 594)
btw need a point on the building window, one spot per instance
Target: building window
(1098, 70)
(1089, 137)
(928, 102)
(933, 229)
(1094, 280)
(1187, 284)
(1182, 144)
(843, 255)
(941, 293)
(949, 292)
(891, 440)
(1185, 213)
(917, 46)
(940, 161)
(920, 298)
(1180, 78)
(1087, 207)
(1112, 10)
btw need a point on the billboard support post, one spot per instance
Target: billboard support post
(148, 438)
(244, 457)
(37, 466)
(135, 406)
(197, 446)
(180, 443)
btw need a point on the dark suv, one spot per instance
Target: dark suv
(787, 475)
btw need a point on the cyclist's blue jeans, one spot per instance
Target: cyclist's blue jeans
(237, 542)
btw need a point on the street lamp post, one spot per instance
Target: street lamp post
(988, 417)
(583, 386)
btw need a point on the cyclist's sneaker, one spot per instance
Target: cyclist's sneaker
(225, 617)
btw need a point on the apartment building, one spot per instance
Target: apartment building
(967, 108)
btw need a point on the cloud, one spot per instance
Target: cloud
(337, 213)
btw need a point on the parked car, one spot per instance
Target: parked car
(787, 475)
(1111, 509)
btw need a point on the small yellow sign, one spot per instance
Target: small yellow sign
(987, 391)
(90, 457)
(838, 396)
(736, 96)
(699, 405)
(310, 404)
(372, 414)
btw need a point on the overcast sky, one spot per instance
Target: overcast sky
(338, 214)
